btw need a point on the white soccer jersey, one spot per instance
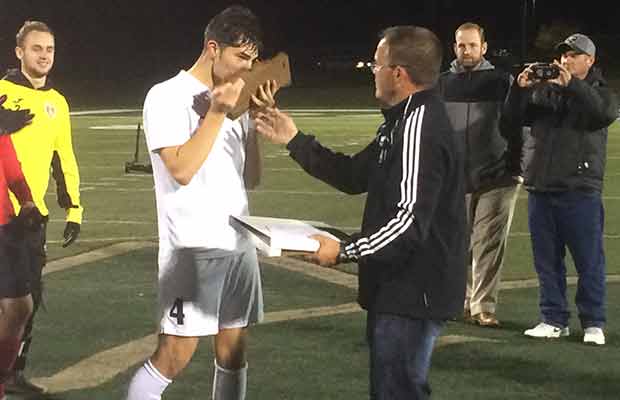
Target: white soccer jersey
(197, 214)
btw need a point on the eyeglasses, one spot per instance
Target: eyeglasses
(374, 67)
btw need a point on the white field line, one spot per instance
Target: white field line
(117, 190)
(105, 112)
(292, 264)
(259, 191)
(332, 110)
(104, 366)
(348, 280)
(110, 153)
(100, 183)
(119, 167)
(154, 222)
(111, 117)
(132, 238)
(309, 269)
(117, 137)
(527, 234)
(113, 127)
(125, 178)
(288, 110)
(109, 239)
(307, 116)
(88, 188)
(109, 221)
(532, 283)
(94, 255)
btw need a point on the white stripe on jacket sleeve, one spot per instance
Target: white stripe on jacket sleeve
(408, 192)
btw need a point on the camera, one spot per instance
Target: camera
(543, 72)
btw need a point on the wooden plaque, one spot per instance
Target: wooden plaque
(276, 68)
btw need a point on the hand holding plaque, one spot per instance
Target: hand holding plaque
(276, 69)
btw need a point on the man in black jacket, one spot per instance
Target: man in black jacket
(475, 91)
(564, 167)
(412, 246)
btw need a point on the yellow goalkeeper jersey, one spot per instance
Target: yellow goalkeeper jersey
(49, 132)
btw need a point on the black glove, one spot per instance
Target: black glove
(202, 102)
(72, 231)
(30, 219)
(11, 120)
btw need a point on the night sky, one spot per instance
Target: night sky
(136, 40)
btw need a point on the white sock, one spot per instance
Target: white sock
(229, 384)
(147, 384)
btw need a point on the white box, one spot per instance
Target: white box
(275, 237)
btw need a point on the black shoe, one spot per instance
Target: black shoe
(19, 384)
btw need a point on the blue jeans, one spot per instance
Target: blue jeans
(400, 356)
(572, 220)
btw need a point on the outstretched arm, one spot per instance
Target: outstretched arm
(347, 173)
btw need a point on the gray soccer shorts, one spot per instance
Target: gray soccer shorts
(204, 290)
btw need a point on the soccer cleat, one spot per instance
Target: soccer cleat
(594, 335)
(544, 330)
(19, 384)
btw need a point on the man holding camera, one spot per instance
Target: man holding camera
(564, 165)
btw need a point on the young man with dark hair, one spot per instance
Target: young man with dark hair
(15, 298)
(411, 249)
(209, 278)
(564, 167)
(475, 92)
(48, 136)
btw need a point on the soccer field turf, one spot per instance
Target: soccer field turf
(99, 321)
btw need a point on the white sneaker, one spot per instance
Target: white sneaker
(594, 335)
(544, 330)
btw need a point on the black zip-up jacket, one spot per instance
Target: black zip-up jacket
(566, 148)
(411, 249)
(475, 100)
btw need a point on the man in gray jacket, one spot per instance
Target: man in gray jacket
(474, 92)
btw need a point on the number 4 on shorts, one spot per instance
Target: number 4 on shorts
(177, 311)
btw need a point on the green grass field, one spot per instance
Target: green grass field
(100, 314)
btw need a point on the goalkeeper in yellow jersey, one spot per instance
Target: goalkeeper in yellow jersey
(46, 141)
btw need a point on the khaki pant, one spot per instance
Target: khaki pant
(489, 215)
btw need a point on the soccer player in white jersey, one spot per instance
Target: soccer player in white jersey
(209, 278)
